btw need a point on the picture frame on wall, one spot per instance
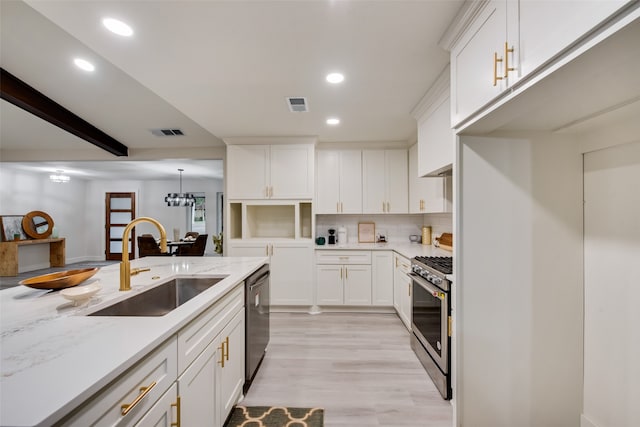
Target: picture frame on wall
(10, 227)
(366, 232)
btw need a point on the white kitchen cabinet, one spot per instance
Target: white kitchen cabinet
(427, 194)
(347, 283)
(140, 387)
(212, 346)
(291, 264)
(384, 181)
(197, 388)
(548, 27)
(230, 366)
(278, 171)
(436, 138)
(477, 60)
(506, 40)
(382, 278)
(339, 183)
(402, 289)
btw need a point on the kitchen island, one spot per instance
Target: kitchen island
(54, 357)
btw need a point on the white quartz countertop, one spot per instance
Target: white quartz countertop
(407, 250)
(54, 357)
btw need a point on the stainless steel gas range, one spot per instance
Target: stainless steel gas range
(431, 318)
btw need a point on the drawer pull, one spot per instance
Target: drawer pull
(126, 408)
(177, 406)
(221, 361)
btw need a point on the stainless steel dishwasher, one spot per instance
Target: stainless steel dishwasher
(257, 321)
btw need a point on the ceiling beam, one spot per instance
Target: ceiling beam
(19, 93)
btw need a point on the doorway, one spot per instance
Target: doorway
(120, 210)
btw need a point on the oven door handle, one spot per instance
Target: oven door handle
(433, 290)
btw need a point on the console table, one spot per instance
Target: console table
(9, 254)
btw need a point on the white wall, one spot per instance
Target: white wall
(78, 209)
(519, 282)
(612, 291)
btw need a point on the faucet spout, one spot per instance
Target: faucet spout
(125, 265)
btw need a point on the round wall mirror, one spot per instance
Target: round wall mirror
(37, 225)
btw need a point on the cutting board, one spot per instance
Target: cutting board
(445, 241)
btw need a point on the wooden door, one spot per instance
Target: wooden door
(120, 210)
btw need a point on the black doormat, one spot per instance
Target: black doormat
(275, 416)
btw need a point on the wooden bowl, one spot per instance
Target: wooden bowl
(59, 280)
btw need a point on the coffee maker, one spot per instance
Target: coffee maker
(332, 237)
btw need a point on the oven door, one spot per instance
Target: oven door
(430, 319)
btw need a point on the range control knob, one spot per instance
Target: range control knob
(436, 280)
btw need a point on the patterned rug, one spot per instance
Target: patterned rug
(275, 416)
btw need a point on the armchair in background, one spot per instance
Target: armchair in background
(197, 249)
(147, 246)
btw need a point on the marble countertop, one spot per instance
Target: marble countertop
(54, 357)
(407, 250)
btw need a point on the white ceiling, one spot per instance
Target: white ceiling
(221, 69)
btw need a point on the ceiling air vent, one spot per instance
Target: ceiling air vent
(297, 104)
(167, 132)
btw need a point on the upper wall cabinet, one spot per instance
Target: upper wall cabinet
(436, 138)
(276, 171)
(385, 186)
(339, 183)
(494, 44)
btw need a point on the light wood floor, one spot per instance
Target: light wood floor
(359, 367)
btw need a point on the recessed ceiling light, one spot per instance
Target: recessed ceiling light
(335, 78)
(83, 64)
(117, 27)
(333, 121)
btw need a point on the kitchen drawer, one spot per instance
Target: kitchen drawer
(196, 336)
(343, 257)
(105, 408)
(402, 264)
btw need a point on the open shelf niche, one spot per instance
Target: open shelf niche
(270, 220)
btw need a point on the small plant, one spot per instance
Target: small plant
(217, 240)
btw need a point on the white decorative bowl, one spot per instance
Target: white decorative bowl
(81, 294)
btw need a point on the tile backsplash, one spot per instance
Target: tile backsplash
(397, 228)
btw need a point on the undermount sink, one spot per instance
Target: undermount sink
(161, 299)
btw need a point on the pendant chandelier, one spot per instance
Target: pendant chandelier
(180, 199)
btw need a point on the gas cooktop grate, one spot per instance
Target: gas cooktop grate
(440, 263)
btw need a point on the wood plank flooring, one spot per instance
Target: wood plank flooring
(359, 367)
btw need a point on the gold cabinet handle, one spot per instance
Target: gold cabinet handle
(341, 272)
(383, 207)
(271, 191)
(267, 250)
(266, 191)
(397, 262)
(507, 51)
(338, 207)
(271, 250)
(346, 272)
(226, 352)
(409, 289)
(495, 68)
(177, 406)
(341, 209)
(221, 361)
(388, 207)
(450, 325)
(125, 408)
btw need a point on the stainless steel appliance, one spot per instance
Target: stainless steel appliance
(431, 318)
(257, 321)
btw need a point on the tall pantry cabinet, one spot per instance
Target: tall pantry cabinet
(269, 211)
